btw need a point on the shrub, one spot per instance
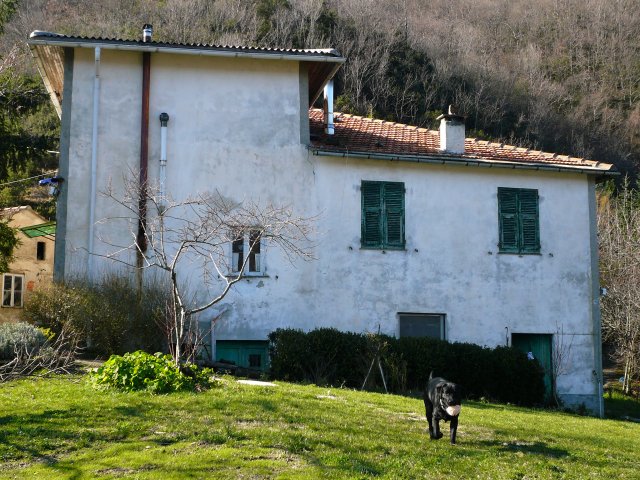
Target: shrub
(322, 356)
(155, 373)
(19, 336)
(330, 357)
(110, 315)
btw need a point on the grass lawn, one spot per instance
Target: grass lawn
(62, 428)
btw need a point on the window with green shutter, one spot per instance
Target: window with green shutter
(382, 215)
(519, 220)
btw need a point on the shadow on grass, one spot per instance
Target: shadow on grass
(536, 448)
(620, 407)
(130, 411)
(38, 438)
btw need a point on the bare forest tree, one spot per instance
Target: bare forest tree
(198, 235)
(619, 234)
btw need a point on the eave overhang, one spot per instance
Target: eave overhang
(466, 161)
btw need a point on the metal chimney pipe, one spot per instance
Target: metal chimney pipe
(147, 31)
(328, 108)
(164, 119)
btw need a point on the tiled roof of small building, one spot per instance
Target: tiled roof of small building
(359, 135)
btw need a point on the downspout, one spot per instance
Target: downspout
(94, 161)
(144, 160)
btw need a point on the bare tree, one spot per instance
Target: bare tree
(560, 358)
(619, 233)
(217, 237)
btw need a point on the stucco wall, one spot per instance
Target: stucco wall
(451, 264)
(235, 127)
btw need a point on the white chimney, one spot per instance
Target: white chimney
(328, 108)
(452, 132)
(147, 31)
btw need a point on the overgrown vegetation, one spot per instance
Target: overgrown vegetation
(329, 357)
(63, 428)
(155, 373)
(110, 315)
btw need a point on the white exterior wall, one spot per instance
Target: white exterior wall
(235, 126)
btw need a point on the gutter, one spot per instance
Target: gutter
(447, 160)
(94, 160)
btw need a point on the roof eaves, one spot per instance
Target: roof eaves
(40, 230)
(463, 161)
(311, 55)
(47, 82)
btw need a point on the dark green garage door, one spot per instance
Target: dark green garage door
(244, 353)
(538, 345)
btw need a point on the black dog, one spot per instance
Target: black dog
(442, 402)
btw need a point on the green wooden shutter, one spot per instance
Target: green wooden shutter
(372, 232)
(394, 214)
(529, 223)
(519, 220)
(508, 219)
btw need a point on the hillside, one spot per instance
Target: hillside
(62, 428)
(557, 75)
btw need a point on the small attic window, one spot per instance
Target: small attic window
(41, 250)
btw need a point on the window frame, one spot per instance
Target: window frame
(441, 318)
(246, 247)
(383, 210)
(12, 290)
(518, 221)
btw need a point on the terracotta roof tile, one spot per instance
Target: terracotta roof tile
(354, 134)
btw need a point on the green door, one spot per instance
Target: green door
(538, 345)
(247, 354)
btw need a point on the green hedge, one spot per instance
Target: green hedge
(329, 357)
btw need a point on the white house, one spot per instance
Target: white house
(420, 232)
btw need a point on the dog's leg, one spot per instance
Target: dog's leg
(453, 429)
(428, 406)
(437, 434)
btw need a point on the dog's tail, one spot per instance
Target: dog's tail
(431, 375)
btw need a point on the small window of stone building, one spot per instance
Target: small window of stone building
(41, 251)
